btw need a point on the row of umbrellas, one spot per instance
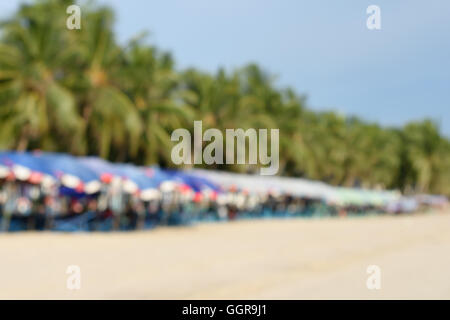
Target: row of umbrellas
(86, 175)
(302, 188)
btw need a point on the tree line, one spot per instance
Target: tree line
(81, 92)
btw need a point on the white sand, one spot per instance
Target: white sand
(259, 259)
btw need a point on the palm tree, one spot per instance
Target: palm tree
(37, 111)
(227, 102)
(426, 151)
(151, 81)
(113, 125)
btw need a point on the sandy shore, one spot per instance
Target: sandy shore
(260, 259)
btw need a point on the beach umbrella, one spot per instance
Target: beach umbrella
(137, 179)
(202, 186)
(432, 200)
(4, 169)
(104, 169)
(174, 181)
(233, 181)
(71, 173)
(144, 180)
(195, 182)
(199, 183)
(158, 178)
(25, 166)
(156, 174)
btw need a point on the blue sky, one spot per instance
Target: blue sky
(321, 48)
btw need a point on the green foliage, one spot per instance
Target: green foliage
(79, 91)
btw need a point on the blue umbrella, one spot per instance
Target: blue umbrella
(71, 172)
(196, 183)
(27, 160)
(204, 183)
(137, 176)
(143, 177)
(156, 174)
(101, 167)
(66, 164)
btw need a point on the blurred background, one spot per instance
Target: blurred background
(86, 118)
